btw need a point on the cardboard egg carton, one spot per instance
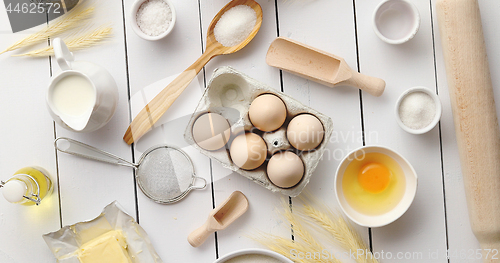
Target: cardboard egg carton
(230, 93)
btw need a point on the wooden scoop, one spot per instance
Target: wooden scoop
(152, 112)
(319, 66)
(221, 217)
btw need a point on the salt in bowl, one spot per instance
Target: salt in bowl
(133, 21)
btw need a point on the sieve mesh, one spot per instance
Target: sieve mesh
(164, 173)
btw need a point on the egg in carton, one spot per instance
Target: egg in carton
(230, 94)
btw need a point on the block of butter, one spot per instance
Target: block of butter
(109, 247)
(112, 237)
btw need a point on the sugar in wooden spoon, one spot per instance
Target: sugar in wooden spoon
(152, 112)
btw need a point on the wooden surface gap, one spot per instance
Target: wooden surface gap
(440, 132)
(361, 110)
(137, 217)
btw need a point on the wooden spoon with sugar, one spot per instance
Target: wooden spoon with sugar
(152, 112)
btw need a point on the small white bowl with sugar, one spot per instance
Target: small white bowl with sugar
(152, 19)
(418, 110)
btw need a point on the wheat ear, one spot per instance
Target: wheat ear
(304, 241)
(71, 20)
(337, 228)
(75, 43)
(307, 239)
(301, 232)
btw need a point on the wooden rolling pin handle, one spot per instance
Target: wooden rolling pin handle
(199, 235)
(372, 85)
(474, 114)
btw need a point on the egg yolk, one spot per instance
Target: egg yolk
(374, 177)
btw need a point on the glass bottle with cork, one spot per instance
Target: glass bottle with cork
(28, 186)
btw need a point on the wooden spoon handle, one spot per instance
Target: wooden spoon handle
(372, 85)
(152, 112)
(199, 235)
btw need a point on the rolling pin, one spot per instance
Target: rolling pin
(474, 115)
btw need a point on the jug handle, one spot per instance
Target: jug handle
(63, 56)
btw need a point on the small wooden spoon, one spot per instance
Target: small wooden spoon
(319, 66)
(152, 112)
(221, 217)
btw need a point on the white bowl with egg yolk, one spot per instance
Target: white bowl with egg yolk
(365, 156)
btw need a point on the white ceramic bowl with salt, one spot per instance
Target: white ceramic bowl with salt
(435, 120)
(135, 26)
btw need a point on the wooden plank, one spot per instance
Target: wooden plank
(87, 186)
(169, 225)
(150, 61)
(27, 134)
(422, 228)
(299, 88)
(334, 34)
(261, 215)
(462, 242)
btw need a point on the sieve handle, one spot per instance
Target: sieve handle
(81, 149)
(196, 187)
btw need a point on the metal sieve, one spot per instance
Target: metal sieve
(164, 173)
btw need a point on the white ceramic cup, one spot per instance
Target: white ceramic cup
(396, 21)
(388, 217)
(436, 119)
(253, 251)
(133, 21)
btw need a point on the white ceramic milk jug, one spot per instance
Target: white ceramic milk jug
(83, 97)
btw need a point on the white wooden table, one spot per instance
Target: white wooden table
(436, 222)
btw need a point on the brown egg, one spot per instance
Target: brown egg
(248, 151)
(305, 132)
(211, 131)
(285, 169)
(267, 112)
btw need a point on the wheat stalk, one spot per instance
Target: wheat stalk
(71, 20)
(304, 241)
(75, 43)
(300, 232)
(325, 222)
(332, 225)
(338, 229)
